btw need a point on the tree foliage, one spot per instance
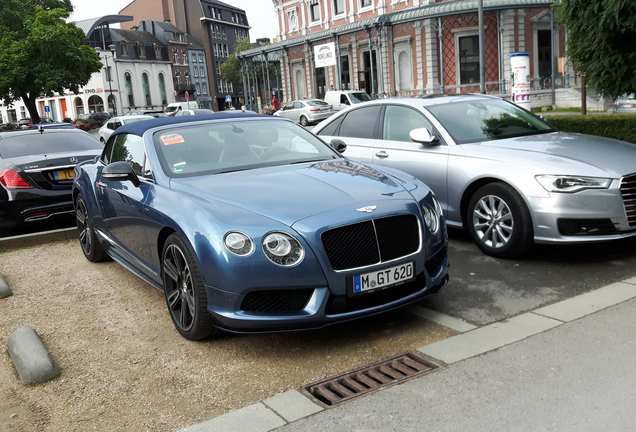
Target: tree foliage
(602, 42)
(232, 73)
(41, 54)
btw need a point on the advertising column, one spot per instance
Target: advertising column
(520, 65)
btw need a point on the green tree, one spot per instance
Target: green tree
(602, 42)
(231, 69)
(40, 53)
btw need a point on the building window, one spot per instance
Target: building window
(469, 59)
(292, 16)
(124, 48)
(146, 85)
(202, 73)
(231, 88)
(220, 85)
(198, 89)
(225, 87)
(339, 7)
(205, 89)
(216, 50)
(218, 32)
(174, 56)
(196, 72)
(223, 32)
(226, 50)
(185, 56)
(365, 3)
(314, 11)
(142, 50)
(158, 53)
(200, 58)
(162, 89)
(129, 89)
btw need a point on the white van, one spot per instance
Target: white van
(175, 107)
(340, 99)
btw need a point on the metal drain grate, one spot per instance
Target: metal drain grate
(350, 385)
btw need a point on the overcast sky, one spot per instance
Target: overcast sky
(260, 13)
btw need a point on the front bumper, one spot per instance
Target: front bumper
(319, 311)
(592, 207)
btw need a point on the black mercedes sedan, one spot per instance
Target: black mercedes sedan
(37, 168)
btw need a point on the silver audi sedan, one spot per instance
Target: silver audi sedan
(306, 111)
(501, 172)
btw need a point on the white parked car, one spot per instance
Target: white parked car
(112, 124)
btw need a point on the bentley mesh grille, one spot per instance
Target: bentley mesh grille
(371, 242)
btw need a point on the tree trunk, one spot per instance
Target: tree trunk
(29, 101)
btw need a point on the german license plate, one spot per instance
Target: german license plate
(383, 278)
(64, 174)
(628, 106)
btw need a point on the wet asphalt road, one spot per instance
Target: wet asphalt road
(485, 289)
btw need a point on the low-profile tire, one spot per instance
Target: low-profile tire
(499, 221)
(304, 121)
(185, 293)
(91, 247)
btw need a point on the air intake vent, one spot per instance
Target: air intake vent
(368, 379)
(628, 191)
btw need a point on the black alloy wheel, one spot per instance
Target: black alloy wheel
(91, 247)
(185, 294)
(499, 221)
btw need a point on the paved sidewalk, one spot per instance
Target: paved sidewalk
(578, 376)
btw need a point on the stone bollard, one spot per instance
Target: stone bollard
(31, 358)
(5, 291)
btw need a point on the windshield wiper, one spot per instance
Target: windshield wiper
(307, 161)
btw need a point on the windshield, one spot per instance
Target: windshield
(170, 109)
(487, 119)
(214, 148)
(47, 143)
(359, 97)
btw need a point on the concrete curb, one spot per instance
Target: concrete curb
(31, 358)
(5, 291)
(36, 239)
(287, 407)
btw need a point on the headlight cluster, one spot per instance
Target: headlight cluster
(432, 215)
(280, 248)
(571, 184)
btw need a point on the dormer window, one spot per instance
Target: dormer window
(124, 48)
(141, 49)
(157, 52)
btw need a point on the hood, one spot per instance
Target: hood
(293, 192)
(561, 153)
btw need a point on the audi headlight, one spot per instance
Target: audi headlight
(238, 243)
(571, 184)
(283, 249)
(431, 218)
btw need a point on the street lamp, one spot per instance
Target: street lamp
(109, 77)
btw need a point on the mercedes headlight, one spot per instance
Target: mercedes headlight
(571, 184)
(238, 243)
(283, 249)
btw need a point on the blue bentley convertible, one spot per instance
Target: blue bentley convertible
(252, 224)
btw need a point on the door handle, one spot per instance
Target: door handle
(382, 154)
(101, 184)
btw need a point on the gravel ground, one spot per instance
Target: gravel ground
(125, 367)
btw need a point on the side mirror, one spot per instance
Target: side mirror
(423, 136)
(338, 145)
(120, 171)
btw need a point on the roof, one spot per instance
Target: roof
(435, 10)
(89, 25)
(135, 36)
(139, 128)
(193, 43)
(167, 26)
(220, 3)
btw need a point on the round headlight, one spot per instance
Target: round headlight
(430, 218)
(283, 249)
(238, 243)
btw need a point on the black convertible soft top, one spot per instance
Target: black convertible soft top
(139, 128)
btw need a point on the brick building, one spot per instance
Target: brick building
(392, 47)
